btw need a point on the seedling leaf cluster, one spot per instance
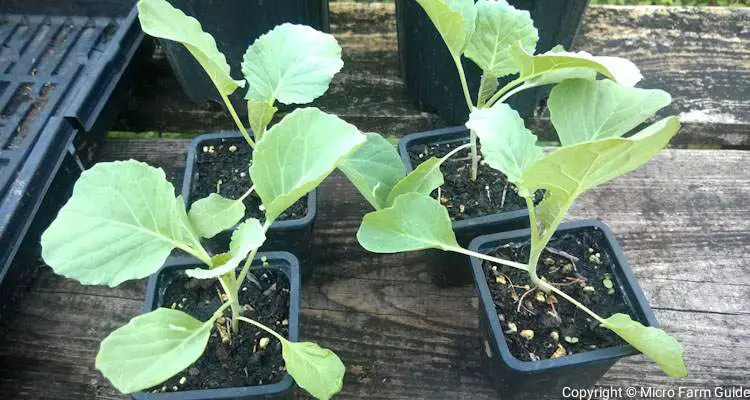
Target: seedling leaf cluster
(124, 219)
(594, 119)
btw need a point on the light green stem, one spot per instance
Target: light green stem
(237, 120)
(502, 91)
(251, 257)
(244, 196)
(464, 84)
(551, 288)
(496, 260)
(474, 155)
(536, 250)
(265, 328)
(231, 292)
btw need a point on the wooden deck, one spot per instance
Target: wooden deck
(682, 221)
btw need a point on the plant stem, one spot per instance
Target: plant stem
(548, 287)
(237, 120)
(515, 90)
(502, 91)
(496, 260)
(201, 255)
(535, 250)
(250, 258)
(464, 85)
(454, 151)
(242, 198)
(231, 292)
(474, 155)
(265, 328)
(219, 311)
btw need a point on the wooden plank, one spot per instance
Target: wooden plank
(700, 55)
(402, 337)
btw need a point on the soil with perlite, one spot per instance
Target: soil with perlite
(491, 193)
(579, 264)
(222, 166)
(250, 357)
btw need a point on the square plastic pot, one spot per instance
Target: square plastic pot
(451, 269)
(430, 75)
(284, 389)
(294, 235)
(516, 379)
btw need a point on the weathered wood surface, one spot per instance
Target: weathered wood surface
(700, 55)
(682, 221)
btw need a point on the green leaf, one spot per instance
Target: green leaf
(374, 169)
(499, 26)
(454, 20)
(663, 349)
(293, 64)
(414, 222)
(260, 114)
(214, 213)
(249, 235)
(152, 348)
(315, 369)
(159, 19)
(566, 65)
(507, 145)
(583, 110)
(297, 153)
(121, 223)
(571, 170)
(424, 179)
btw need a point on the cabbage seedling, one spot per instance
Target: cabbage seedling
(591, 118)
(124, 220)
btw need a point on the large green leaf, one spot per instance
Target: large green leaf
(159, 19)
(583, 110)
(507, 145)
(315, 369)
(454, 20)
(424, 179)
(663, 349)
(152, 348)
(571, 170)
(249, 235)
(296, 155)
(215, 213)
(121, 223)
(499, 26)
(293, 64)
(414, 222)
(374, 169)
(565, 65)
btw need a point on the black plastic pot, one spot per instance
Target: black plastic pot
(451, 269)
(64, 73)
(431, 77)
(281, 390)
(516, 379)
(293, 235)
(235, 24)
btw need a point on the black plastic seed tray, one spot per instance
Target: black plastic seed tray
(63, 70)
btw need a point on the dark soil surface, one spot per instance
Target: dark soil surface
(582, 279)
(491, 193)
(222, 166)
(242, 361)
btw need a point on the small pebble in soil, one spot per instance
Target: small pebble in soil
(232, 148)
(540, 297)
(554, 335)
(559, 352)
(571, 339)
(501, 317)
(500, 280)
(589, 289)
(527, 334)
(183, 380)
(285, 322)
(512, 328)
(549, 262)
(263, 342)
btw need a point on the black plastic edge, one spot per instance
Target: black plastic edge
(446, 135)
(488, 308)
(261, 391)
(101, 81)
(196, 143)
